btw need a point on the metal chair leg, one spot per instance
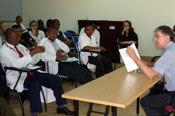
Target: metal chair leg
(45, 105)
(75, 83)
(90, 109)
(21, 105)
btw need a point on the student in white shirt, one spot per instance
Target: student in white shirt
(13, 54)
(34, 33)
(19, 22)
(3, 28)
(60, 35)
(96, 34)
(94, 61)
(55, 48)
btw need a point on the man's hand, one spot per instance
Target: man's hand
(102, 48)
(59, 52)
(61, 57)
(37, 49)
(130, 51)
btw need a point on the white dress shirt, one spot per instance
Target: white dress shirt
(37, 38)
(49, 57)
(50, 53)
(10, 58)
(22, 26)
(96, 34)
(84, 41)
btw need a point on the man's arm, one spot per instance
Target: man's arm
(94, 48)
(144, 68)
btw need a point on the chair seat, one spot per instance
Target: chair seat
(169, 108)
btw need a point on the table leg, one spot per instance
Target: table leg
(114, 111)
(138, 106)
(107, 111)
(76, 108)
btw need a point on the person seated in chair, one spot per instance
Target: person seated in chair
(160, 96)
(13, 54)
(24, 38)
(60, 34)
(3, 28)
(34, 33)
(41, 26)
(54, 49)
(94, 61)
(96, 33)
(128, 36)
(19, 22)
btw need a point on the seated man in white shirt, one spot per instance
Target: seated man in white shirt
(94, 61)
(13, 54)
(19, 22)
(60, 35)
(54, 49)
(96, 34)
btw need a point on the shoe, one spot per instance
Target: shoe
(64, 110)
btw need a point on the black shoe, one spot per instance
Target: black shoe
(64, 110)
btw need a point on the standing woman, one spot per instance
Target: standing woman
(128, 36)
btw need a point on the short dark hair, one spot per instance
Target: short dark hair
(51, 28)
(174, 28)
(9, 31)
(166, 30)
(89, 24)
(49, 23)
(17, 17)
(131, 29)
(56, 20)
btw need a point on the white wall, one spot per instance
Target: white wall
(145, 15)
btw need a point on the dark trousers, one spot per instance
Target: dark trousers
(5, 109)
(104, 65)
(34, 83)
(154, 103)
(75, 72)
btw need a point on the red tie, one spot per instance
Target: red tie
(19, 53)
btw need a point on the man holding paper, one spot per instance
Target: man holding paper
(154, 105)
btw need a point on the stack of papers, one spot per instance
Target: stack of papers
(129, 63)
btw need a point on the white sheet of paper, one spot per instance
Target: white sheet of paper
(129, 63)
(71, 59)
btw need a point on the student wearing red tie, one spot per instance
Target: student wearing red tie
(13, 54)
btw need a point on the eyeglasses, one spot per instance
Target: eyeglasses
(126, 25)
(33, 25)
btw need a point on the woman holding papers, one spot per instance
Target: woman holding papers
(128, 36)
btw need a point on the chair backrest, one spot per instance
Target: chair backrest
(68, 35)
(71, 32)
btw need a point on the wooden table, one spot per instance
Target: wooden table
(117, 89)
